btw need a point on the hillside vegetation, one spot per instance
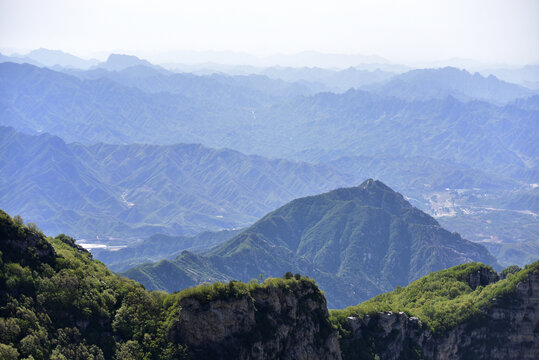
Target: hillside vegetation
(442, 299)
(56, 302)
(140, 190)
(356, 242)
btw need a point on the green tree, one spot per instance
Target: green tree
(8, 352)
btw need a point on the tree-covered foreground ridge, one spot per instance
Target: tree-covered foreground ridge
(443, 299)
(56, 302)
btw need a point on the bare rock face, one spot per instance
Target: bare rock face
(482, 277)
(508, 330)
(24, 246)
(274, 322)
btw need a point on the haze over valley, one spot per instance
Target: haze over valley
(179, 153)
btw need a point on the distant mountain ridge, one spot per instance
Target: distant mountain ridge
(248, 115)
(424, 84)
(335, 80)
(357, 242)
(116, 62)
(153, 79)
(158, 247)
(140, 190)
(52, 58)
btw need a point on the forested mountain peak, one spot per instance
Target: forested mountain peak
(357, 242)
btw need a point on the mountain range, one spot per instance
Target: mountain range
(139, 190)
(245, 114)
(423, 147)
(426, 84)
(51, 58)
(356, 242)
(133, 185)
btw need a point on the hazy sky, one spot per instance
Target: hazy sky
(494, 31)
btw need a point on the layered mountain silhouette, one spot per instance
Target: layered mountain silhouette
(427, 84)
(250, 90)
(244, 113)
(139, 190)
(51, 58)
(158, 247)
(334, 80)
(356, 242)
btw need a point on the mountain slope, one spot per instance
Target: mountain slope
(245, 89)
(357, 242)
(477, 134)
(139, 190)
(56, 302)
(237, 112)
(138, 104)
(465, 312)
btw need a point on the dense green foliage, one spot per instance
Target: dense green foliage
(356, 242)
(441, 300)
(513, 269)
(56, 302)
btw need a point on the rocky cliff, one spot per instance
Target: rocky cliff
(274, 322)
(56, 302)
(508, 329)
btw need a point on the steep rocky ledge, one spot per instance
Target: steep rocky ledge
(287, 321)
(509, 329)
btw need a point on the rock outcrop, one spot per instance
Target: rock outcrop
(482, 277)
(509, 329)
(275, 322)
(19, 244)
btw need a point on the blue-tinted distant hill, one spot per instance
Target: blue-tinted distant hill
(113, 108)
(356, 242)
(18, 60)
(59, 58)
(139, 190)
(268, 117)
(424, 84)
(158, 247)
(117, 62)
(155, 80)
(50, 58)
(527, 76)
(479, 134)
(334, 80)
